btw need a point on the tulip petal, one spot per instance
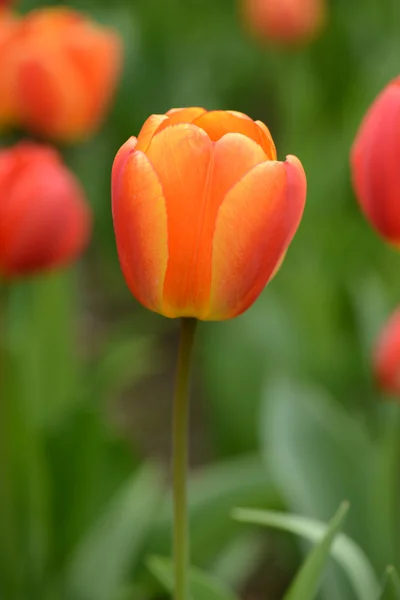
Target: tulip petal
(184, 115)
(28, 243)
(42, 92)
(181, 155)
(140, 222)
(192, 205)
(148, 130)
(181, 115)
(218, 123)
(119, 160)
(255, 224)
(375, 169)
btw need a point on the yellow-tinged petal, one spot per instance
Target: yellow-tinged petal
(148, 130)
(140, 222)
(195, 175)
(218, 123)
(181, 156)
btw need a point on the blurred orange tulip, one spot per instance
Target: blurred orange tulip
(375, 164)
(58, 73)
(203, 212)
(285, 21)
(8, 25)
(44, 219)
(387, 356)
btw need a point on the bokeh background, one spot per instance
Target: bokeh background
(285, 412)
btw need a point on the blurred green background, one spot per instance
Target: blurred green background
(285, 414)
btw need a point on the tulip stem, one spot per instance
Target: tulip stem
(180, 459)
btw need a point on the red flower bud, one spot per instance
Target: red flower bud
(387, 356)
(58, 72)
(44, 219)
(285, 21)
(203, 212)
(375, 164)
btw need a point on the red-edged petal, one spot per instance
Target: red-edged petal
(254, 227)
(119, 161)
(140, 223)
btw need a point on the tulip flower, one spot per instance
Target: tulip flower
(374, 164)
(44, 218)
(285, 21)
(387, 356)
(203, 212)
(59, 71)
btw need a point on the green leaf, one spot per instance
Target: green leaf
(237, 561)
(100, 567)
(350, 556)
(307, 580)
(391, 590)
(202, 586)
(213, 493)
(313, 447)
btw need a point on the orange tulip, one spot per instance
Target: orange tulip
(58, 72)
(203, 212)
(285, 21)
(375, 164)
(387, 356)
(44, 219)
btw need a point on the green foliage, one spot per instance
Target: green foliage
(391, 590)
(350, 556)
(202, 586)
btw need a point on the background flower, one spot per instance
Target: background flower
(58, 72)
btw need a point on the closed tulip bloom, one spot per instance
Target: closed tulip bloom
(44, 218)
(387, 356)
(203, 212)
(285, 21)
(59, 71)
(375, 164)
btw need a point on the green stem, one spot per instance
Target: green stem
(10, 574)
(180, 459)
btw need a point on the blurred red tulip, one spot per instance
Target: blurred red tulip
(44, 218)
(285, 21)
(58, 73)
(387, 356)
(375, 164)
(203, 212)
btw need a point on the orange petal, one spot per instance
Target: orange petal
(181, 155)
(50, 103)
(269, 136)
(149, 128)
(219, 122)
(119, 161)
(234, 155)
(181, 115)
(185, 115)
(193, 197)
(140, 223)
(254, 227)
